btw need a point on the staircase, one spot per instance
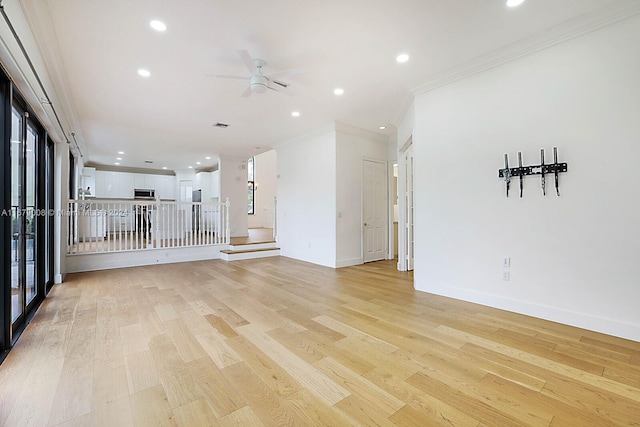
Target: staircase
(259, 244)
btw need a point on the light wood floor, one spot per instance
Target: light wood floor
(280, 342)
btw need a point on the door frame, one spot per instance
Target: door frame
(403, 176)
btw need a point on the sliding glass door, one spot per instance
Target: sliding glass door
(26, 232)
(24, 221)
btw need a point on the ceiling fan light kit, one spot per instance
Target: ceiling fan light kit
(258, 82)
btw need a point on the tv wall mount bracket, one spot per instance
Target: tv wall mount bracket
(542, 169)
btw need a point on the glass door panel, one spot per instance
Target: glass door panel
(17, 289)
(30, 213)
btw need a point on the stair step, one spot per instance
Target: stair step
(243, 251)
(252, 246)
(237, 255)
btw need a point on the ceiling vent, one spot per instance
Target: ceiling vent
(221, 125)
(148, 161)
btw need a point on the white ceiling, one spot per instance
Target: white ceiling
(168, 118)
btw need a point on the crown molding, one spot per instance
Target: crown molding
(576, 27)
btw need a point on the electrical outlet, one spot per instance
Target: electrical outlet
(506, 275)
(506, 262)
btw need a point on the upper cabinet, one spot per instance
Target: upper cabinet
(215, 184)
(120, 185)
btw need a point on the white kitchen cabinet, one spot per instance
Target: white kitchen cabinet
(120, 185)
(151, 182)
(100, 184)
(215, 185)
(126, 184)
(139, 181)
(111, 184)
(166, 187)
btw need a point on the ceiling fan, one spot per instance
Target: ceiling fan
(258, 82)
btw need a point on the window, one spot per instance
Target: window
(251, 166)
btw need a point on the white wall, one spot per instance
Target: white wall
(352, 146)
(574, 258)
(307, 198)
(265, 179)
(233, 185)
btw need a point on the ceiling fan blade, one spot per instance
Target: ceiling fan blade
(280, 87)
(247, 60)
(285, 73)
(225, 76)
(247, 92)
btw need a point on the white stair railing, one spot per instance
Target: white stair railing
(102, 225)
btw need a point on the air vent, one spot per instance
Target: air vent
(148, 161)
(221, 125)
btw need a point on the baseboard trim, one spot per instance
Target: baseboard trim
(576, 319)
(348, 262)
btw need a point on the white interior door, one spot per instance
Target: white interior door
(374, 201)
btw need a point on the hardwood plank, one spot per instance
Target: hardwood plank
(359, 411)
(221, 326)
(133, 338)
(41, 381)
(349, 331)
(242, 417)
(151, 408)
(431, 409)
(359, 385)
(174, 376)
(218, 350)
(112, 413)
(196, 413)
(318, 384)
(269, 371)
(73, 396)
(223, 398)
(141, 371)
(188, 346)
(267, 405)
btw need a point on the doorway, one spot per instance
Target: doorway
(408, 206)
(374, 206)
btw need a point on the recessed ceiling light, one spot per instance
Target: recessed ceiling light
(164, 167)
(403, 57)
(197, 163)
(208, 158)
(144, 73)
(190, 167)
(296, 114)
(158, 25)
(382, 127)
(514, 3)
(117, 164)
(118, 158)
(120, 152)
(338, 91)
